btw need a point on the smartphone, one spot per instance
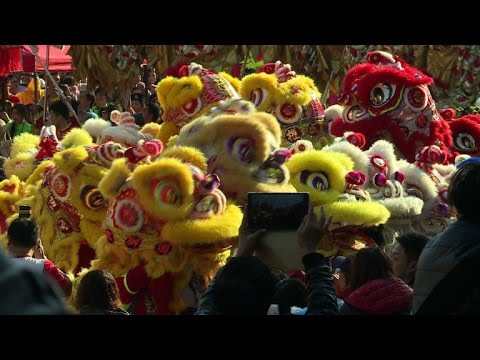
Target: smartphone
(276, 211)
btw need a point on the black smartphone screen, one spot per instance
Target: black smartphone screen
(276, 211)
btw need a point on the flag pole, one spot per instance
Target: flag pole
(46, 89)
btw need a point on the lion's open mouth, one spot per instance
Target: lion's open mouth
(270, 173)
(354, 195)
(351, 237)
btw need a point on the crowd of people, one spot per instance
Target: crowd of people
(69, 105)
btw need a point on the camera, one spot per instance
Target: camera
(24, 211)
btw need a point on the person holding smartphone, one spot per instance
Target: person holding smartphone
(245, 277)
(26, 250)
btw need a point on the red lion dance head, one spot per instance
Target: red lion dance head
(386, 98)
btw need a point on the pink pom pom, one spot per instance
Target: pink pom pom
(399, 176)
(380, 179)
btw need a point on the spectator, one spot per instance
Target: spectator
(59, 116)
(374, 289)
(342, 267)
(100, 101)
(25, 291)
(19, 124)
(14, 83)
(12, 86)
(150, 84)
(84, 109)
(151, 113)
(70, 82)
(278, 275)
(24, 246)
(457, 247)
(107, 111)
(405, 255)
(138, 102)
(290, 293)
(97, 294)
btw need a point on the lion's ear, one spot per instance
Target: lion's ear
(68, 160)
(114, 179)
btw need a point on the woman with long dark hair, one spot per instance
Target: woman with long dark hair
(98, 294)
(373, 288)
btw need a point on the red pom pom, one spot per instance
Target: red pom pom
(355, 178)
(399, 176)
(357, 139)
(380, 179)
(448, 114)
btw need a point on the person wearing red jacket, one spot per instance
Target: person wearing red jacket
(374, 289)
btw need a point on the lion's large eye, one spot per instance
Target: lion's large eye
(381, 94)
(258, 96)
(315, 180)
(192, 107)
(465, 141)
(168, 192)
(241, 149)
(288, 113)
(196, 172)
(92, 198)
(354, 113)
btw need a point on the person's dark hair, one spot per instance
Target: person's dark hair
(154, 110)
(288, 293)
(109, 108)
(98, 290)
(278, 275)
(138, 97)
(369, 264)
(63, 87)
(463, 191)
(413, 244)
(21, 109)
(245, 286)
(23, 232)
(2, 171)
(59, 108)
(68, 80)
(90, 98)
(98, 90)
(346, 269)
(376, 233)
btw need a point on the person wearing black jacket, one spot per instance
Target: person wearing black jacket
(451, 249)
(256, 287)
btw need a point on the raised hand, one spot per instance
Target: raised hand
(312, 230)
(247, 240)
